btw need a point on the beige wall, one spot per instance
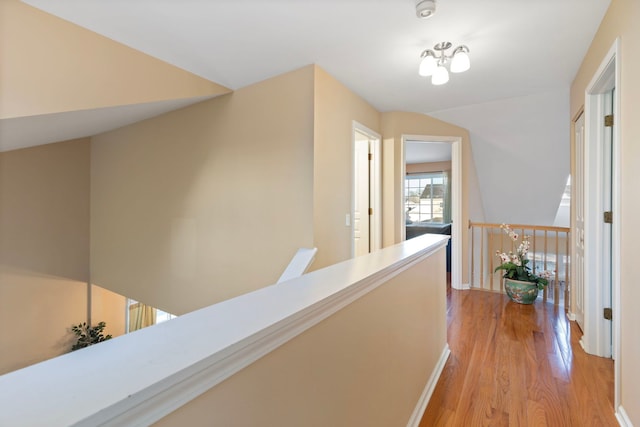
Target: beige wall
(108, 307)
(50, 65)
(352, 369)
(394, 126)
(428, 167)
(335, 109)
(208, 202)
(44, 250)
(621, 21)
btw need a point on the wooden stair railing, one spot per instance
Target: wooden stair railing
(549, 251)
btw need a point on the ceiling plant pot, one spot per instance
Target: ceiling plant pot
(521, 291)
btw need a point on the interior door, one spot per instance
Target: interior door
(361, 192)
(578, 280)
(607, 240)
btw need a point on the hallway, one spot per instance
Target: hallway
(517, 365)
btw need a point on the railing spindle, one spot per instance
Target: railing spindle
(473, 265)
(493, 243)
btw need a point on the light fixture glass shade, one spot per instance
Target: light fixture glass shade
(440, 76)
(460, 62)
(427, 66)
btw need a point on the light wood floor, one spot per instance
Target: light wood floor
(517, 365)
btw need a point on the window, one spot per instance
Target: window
(425, 197)
(140, 316)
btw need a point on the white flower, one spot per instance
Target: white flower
(509, 231)
(547, 274)
(523, 248)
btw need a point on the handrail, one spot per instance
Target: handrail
(520, 226)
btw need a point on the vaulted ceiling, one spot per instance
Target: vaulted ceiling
(524, 55)
(518, 47)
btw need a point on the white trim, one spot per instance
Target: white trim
(376, 194)
(456, 201)
(456, 215)
(617, 220)
(606, 77)
(623, 418)
(403, 174)
(299, 264)
(375, 182)
(160, 368)
(571, 316)
(418, 412)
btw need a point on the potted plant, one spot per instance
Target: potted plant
(520, 283)
(89, 335)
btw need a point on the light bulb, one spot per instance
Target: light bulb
(460, 62)
(427, 66)
(440, 76)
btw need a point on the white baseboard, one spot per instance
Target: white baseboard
(462, 287)
(582, 345)
(623, 418)
(416, 417)
(571, 316)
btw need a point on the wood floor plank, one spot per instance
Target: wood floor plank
(515, 365)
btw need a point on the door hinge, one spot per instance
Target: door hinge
(608, 217)
(370, 156)
(370, 211)
(608, 120)
(608, 314)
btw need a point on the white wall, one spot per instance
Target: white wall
(521, 150)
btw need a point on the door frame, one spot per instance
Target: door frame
(576, 311)
(456, 199)
(375, 186)
(593, 341)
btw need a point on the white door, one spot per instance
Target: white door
(607, 206)
(578, 182)
(361, 191)
(367, 191)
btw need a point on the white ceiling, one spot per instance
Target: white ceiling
(519, 49)
(426, 152)
(23, 132)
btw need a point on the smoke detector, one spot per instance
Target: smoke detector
(425, 8)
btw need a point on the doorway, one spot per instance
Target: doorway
(367, 189)
(441, 145)
(601, 175)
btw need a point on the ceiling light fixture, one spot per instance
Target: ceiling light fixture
(433, 64)
(425, 8)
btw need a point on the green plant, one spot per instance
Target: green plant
(89, 335)
(515, 265)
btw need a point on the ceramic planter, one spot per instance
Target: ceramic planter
(520, 291)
